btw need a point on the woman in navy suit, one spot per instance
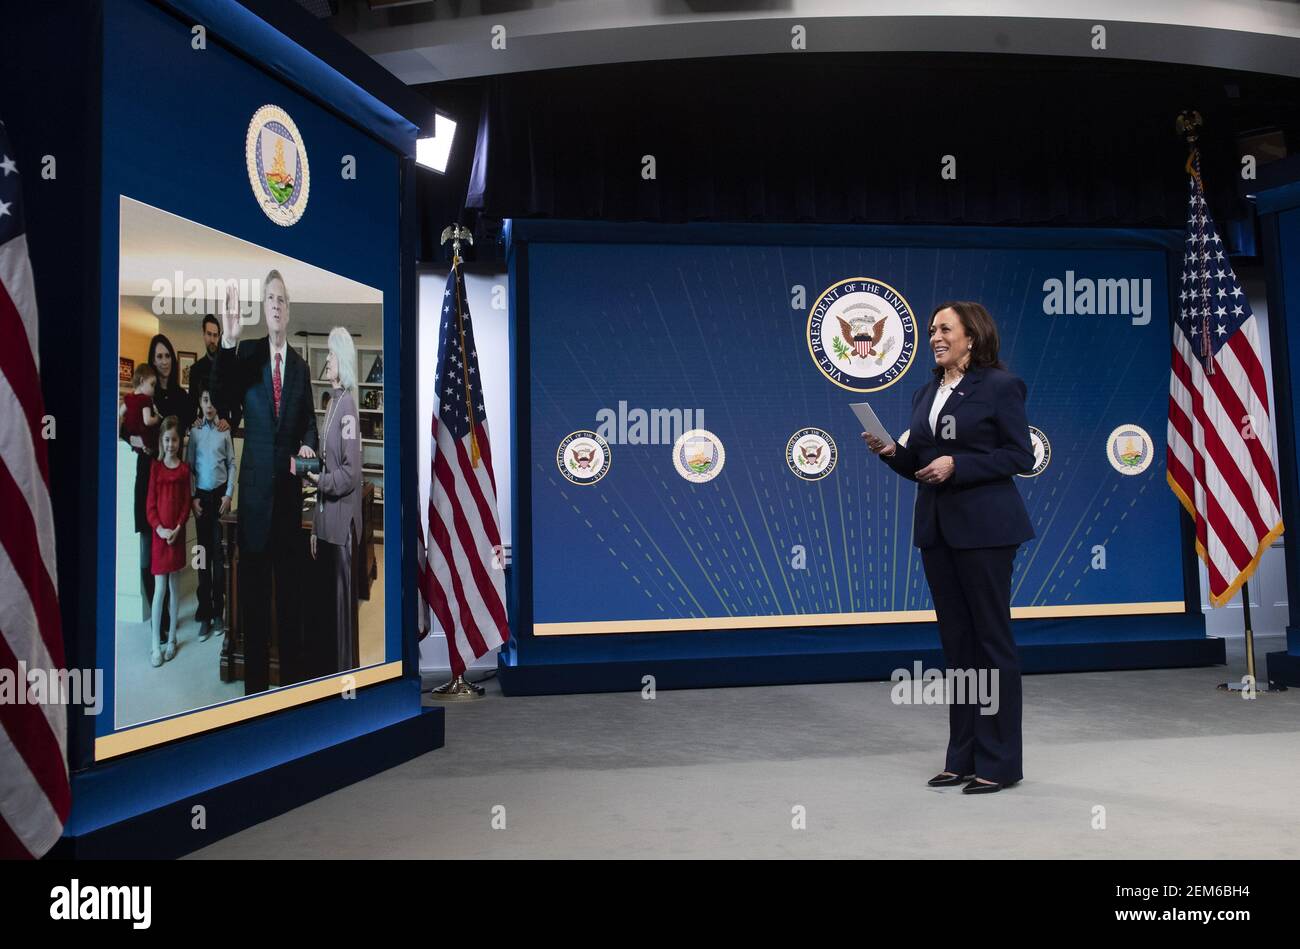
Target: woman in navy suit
(967, 440)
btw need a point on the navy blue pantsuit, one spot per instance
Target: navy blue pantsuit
(968, 529)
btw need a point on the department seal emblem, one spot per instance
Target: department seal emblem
(811, 454)
(277, 165)
(698, 455)
(1042, 453)
(583, 457)
(1130, 449)
(861, 334)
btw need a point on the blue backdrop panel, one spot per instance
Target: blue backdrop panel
(1280, 223)
(1288, 287)
(711, 329)
(700, 317)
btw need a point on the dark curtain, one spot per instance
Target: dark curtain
(859, 139)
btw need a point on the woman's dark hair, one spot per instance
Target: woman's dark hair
(173, 381)
(981, 329)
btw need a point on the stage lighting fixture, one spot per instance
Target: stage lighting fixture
(433, 152)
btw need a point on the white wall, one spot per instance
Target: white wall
(492, 337)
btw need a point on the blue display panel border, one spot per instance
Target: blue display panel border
(218, 196)
(1280, 226)
(526, 649)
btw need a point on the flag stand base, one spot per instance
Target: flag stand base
(1264, 689)
(1256, 688)
(457, 690)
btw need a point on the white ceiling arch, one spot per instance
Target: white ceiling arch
(432, 40)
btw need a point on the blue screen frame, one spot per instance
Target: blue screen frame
(180, 147)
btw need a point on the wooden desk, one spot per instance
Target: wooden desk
(365, 571)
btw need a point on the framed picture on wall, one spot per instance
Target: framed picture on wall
(186, 361)
(125, 369)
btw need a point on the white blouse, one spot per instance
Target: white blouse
(940, 397)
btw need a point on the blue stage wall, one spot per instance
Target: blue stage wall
(1279, 210)
(700, 317)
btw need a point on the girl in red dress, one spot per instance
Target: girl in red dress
(168, 509)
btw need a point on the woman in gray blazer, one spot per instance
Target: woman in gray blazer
(336, 522)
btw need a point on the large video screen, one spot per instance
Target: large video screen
(695, 461)
(249, 541)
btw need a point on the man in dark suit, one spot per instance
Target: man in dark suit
(269, 384)
(201, 377)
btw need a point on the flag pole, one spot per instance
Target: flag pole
(1188, 124)
(1250, 684)
(458, 688)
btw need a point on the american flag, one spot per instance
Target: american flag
(34, 792)
(1219, 461)
(464, 582)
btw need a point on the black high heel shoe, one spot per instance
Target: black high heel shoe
(978, 787)
(946, 779)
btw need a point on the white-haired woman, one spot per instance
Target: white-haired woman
(336, 523)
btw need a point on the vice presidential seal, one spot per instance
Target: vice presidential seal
(861, 334)
(1042, 452)
(811, 454)
(1130, 449)
(277, 165)
(698, 455)
(583, 457)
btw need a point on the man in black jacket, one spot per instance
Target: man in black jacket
(267, 382)
(201, 377)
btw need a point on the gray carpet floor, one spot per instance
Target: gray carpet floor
(1155, 764)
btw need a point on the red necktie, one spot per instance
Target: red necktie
(275, 384)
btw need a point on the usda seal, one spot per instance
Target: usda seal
(277, 165)
(861, 334)
(1042, 452)
(583, 457)
(698, 456)
(811, 454)
(1130, 450)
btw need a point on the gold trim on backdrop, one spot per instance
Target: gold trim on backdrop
(841, 619)
(238, 710)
